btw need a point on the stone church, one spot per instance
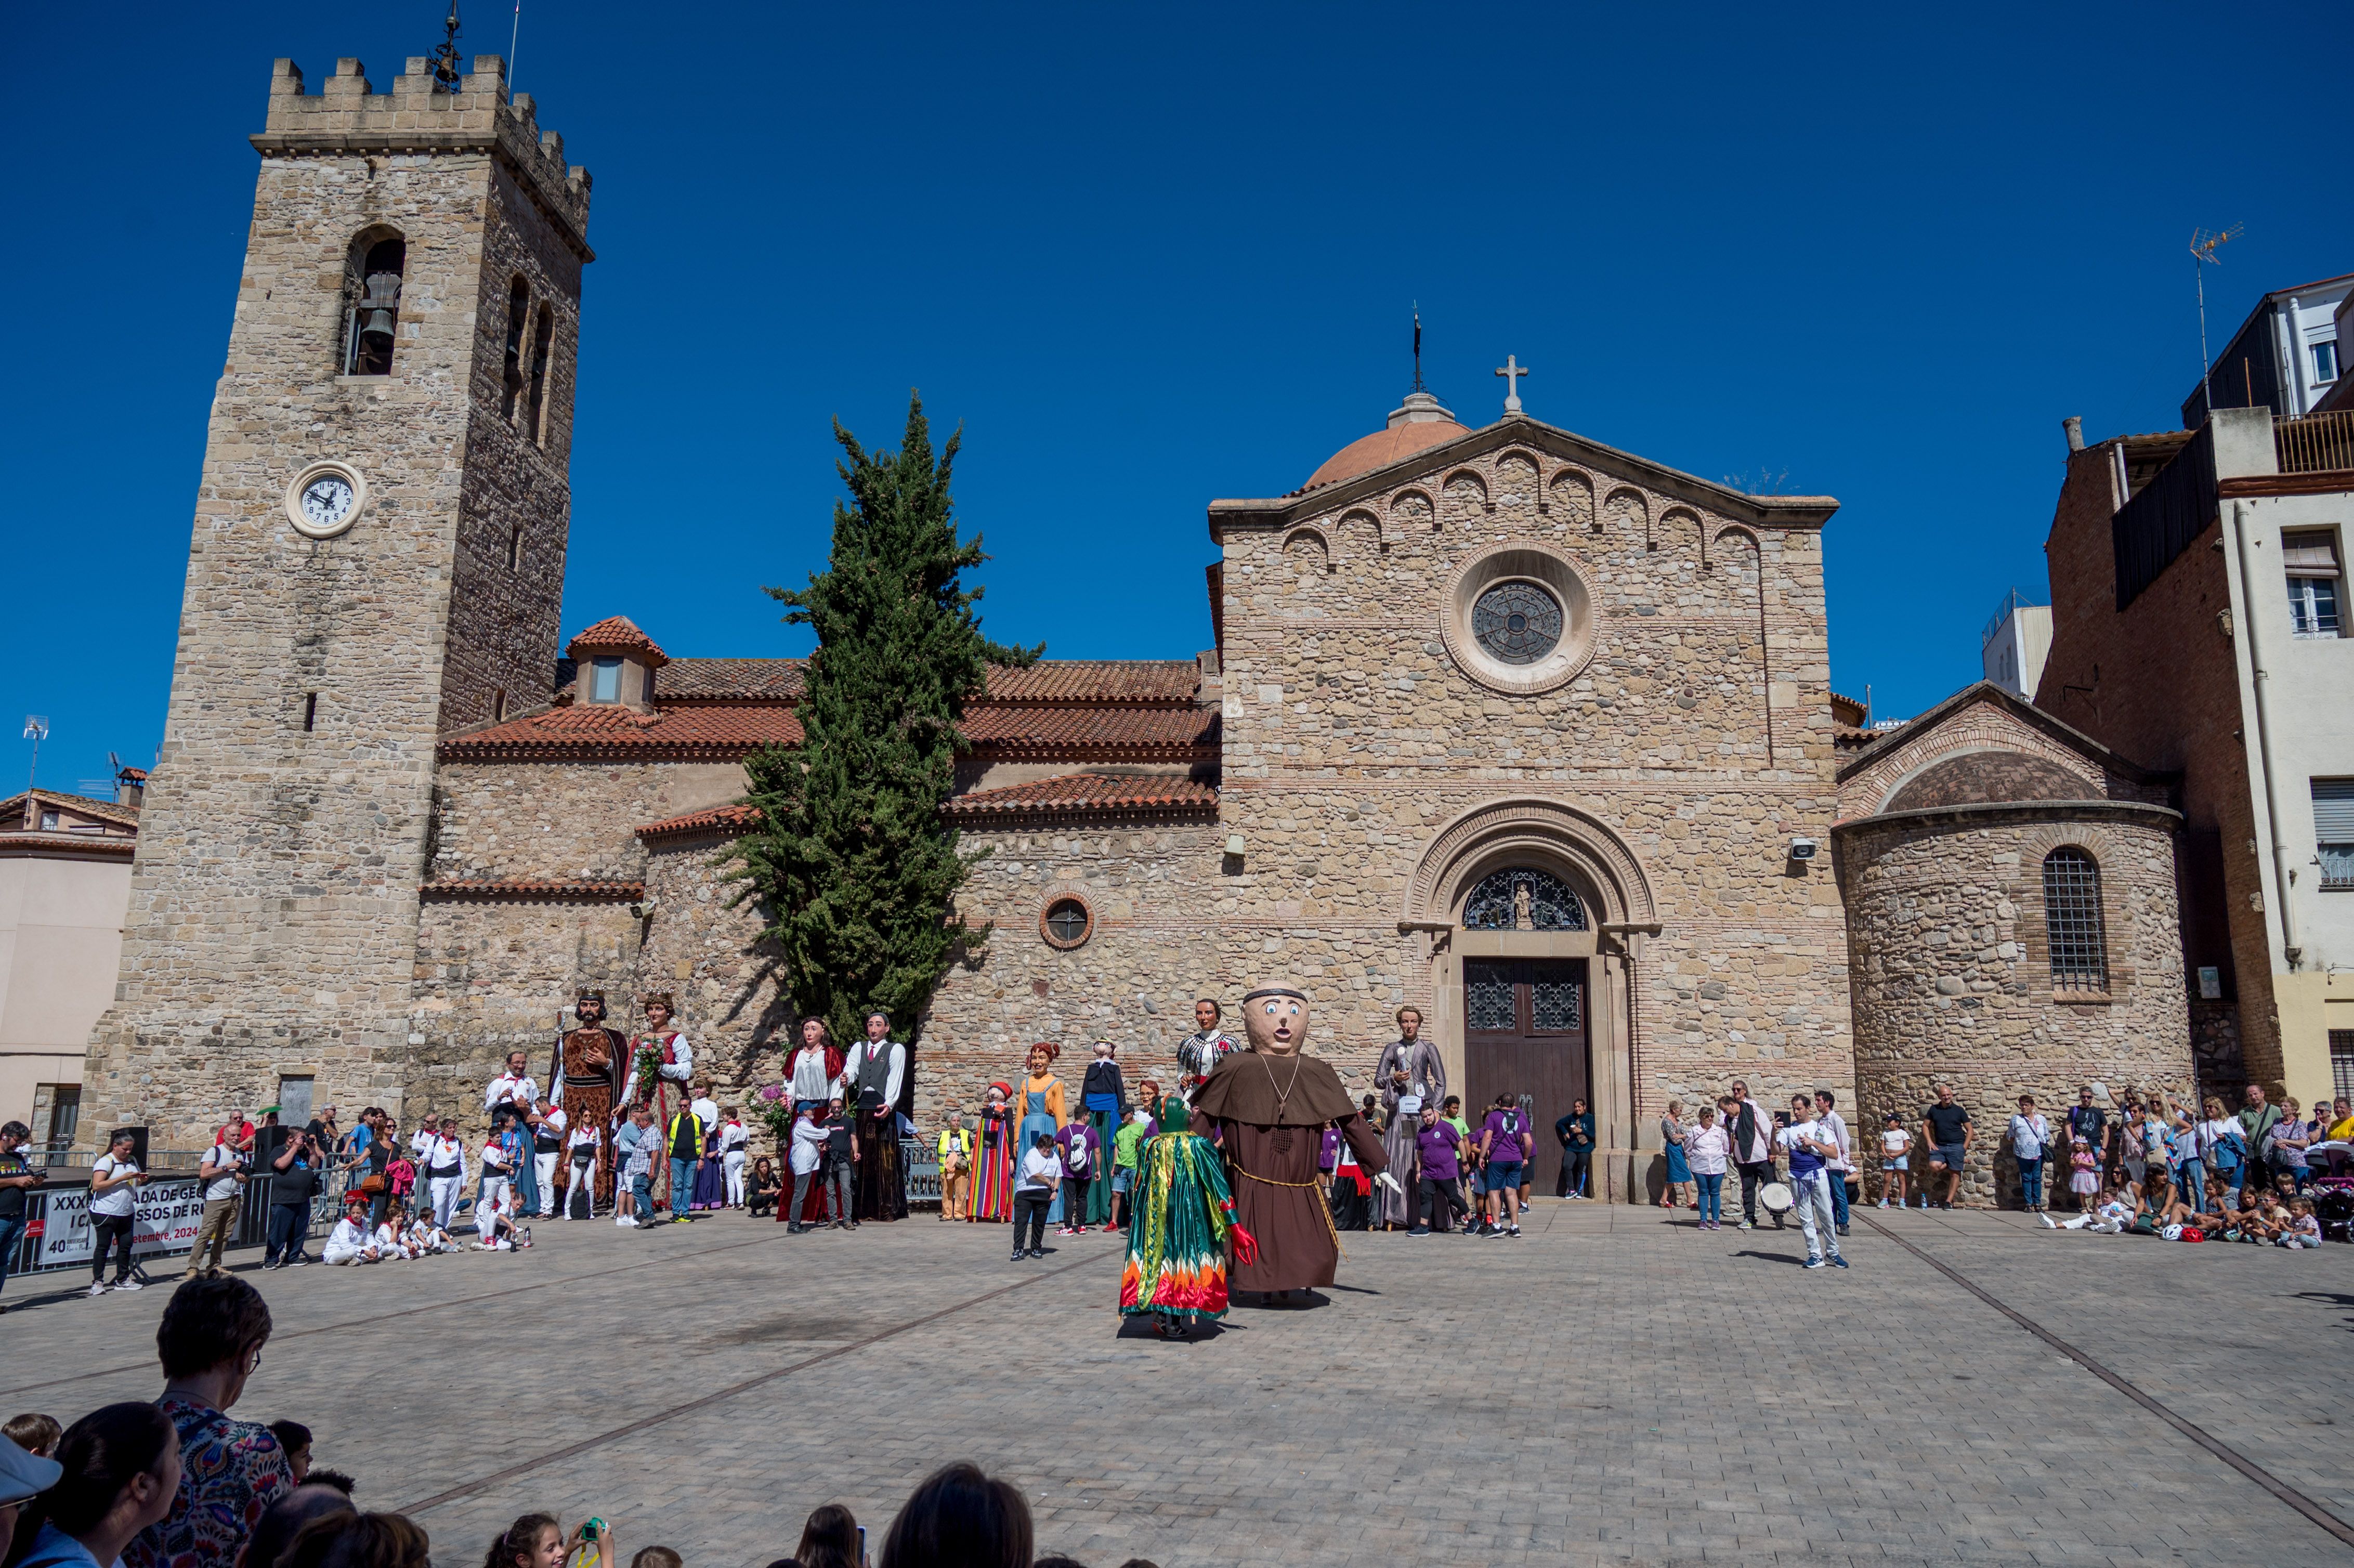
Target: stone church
(1533, 733)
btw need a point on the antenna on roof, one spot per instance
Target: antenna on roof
(2204, 243)
(1417, 345)
(445, 74)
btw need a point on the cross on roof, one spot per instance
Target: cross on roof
(1511, 370)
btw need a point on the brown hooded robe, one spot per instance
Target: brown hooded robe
(1271, 1111)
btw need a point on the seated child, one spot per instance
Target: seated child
(2110, 1217)
(765, 1185)
(495, 1227)
(428, 1238)
(351, 1241)
(2303, 1229)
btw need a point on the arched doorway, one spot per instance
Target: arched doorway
(1525, 1019)
(1529, 912)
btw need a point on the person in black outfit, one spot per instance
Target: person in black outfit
(1575, 1131)
(292, 1178)
(840, 1171)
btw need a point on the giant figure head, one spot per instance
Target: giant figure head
(1275, 1018)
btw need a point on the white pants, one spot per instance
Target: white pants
(584, 1179)
(495, 1189)
(334, 1254)
(1812, 1195)
(545, 1166)
(732, 1163)
(444, 1198)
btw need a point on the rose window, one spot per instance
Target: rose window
(1517, 622)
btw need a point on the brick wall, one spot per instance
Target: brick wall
(2158, 683)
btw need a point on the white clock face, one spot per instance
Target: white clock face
(327, 501)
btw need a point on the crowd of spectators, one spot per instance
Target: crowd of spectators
(181, 1483)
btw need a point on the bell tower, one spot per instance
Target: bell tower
(377, 559)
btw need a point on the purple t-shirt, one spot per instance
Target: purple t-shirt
(1505, 1146)
(1436, 1145)
(1079, 1139)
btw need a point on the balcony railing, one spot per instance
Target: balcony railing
(2318, 443)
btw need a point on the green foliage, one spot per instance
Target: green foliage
(853, 862)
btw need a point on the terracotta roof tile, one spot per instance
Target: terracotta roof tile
(716, 819)
(617, 634)
(11, 809)
(696, 733)
(1086, 794)
(1129, 680)
(782, 680)
(532, 892)
(1091, 734)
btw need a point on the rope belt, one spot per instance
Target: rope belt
(1323, 1208)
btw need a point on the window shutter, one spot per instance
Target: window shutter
(2333, 810)
(2309, 555)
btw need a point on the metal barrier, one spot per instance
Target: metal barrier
(921, 1172)
(169, 1208)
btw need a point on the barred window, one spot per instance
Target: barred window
(2071, 921)
(2341, 1063)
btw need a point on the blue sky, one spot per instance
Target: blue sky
(1151, 256)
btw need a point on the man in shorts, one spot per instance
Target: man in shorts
(1946, 1129)
(1504, 1145)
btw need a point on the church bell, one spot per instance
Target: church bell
(379, 303)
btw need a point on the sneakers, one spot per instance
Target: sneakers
(1019, 1255)
(1744, 1225)
(1883, 1202)
(97, 1288)
(1815, 1263)
(1514, 1232)
(625, 1223)
(297, 1261)
(1037, 1251)
(1419, 1231)
(2048, 1223)
(270, 1263)
(1842, 1230)
(126, 1285)
(1838, 1261)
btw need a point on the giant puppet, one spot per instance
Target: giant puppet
(1268, 1106)
(586, 1081)
(671, 1058)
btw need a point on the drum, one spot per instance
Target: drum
(1776, 1197)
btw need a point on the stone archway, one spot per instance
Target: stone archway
(1588, 855)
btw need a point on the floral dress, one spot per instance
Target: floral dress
(230, 1472)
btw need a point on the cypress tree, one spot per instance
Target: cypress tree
(853, 862)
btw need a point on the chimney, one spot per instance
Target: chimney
(131, 788)
(2075, 425)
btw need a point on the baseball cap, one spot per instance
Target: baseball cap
(23, 1475)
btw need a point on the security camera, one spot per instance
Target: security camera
(646, 906)
(1802, 849)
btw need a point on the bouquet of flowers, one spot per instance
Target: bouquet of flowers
(772, 1108)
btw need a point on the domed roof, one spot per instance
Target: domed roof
(1416, 425)
(1978, 778)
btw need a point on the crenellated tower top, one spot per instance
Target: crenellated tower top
(421, 115)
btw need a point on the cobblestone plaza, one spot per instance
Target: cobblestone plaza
(1613, 1388)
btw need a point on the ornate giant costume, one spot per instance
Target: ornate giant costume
(1041, 1108)
(1425, 1080)
(672, 1059)
(586, 1081)
(1177, 1236)
(1269, 1105)
(873, 1074)
(992, 1176)
(1199, 1053)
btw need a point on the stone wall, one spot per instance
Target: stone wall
(273, 915)
(1149, 884)
(1693, 744)
(1952, 970)
(564, 820)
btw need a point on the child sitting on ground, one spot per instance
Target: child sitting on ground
(2112, 1215)
(351, 1241)
(426, 1236)
(2304, 1230)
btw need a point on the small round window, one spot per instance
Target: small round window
(1065, 923)
(1517, 622)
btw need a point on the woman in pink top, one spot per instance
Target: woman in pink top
(1706, 1148)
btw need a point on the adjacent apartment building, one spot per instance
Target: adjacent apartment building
(2198, 585)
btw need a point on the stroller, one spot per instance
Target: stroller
(2332, 1194)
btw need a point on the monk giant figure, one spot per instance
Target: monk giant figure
(1269, 1105)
